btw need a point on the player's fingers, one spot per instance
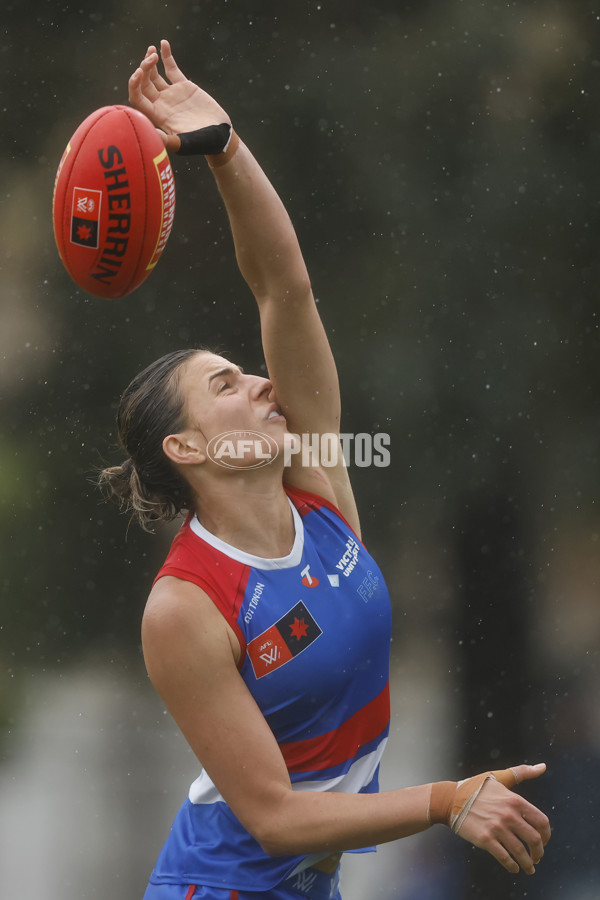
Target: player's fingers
(137, 98)
(149, 74)
(519, 853)
(524, 773)
(172, 70)
(150, 60)
(135, 88)
(531, 837)
(500, 853)
(157, 80)
(539, 821)
(172, 142)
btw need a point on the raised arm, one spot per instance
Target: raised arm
(297, 353)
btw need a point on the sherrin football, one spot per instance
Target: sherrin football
(114, 202)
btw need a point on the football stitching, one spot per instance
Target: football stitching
(132, 122)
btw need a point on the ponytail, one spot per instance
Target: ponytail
(148, 485)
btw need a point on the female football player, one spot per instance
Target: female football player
(267, 629)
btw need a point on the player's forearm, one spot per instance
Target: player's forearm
(313, 822)
(266, 245)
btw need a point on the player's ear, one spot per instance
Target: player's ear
(184, 448)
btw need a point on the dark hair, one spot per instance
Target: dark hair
(148, 484)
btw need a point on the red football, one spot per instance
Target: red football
(114, 201)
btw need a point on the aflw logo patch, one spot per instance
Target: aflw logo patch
(304, 881)
(85, 217)
(284, 640)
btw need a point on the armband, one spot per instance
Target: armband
(450, 801)
(217, 142)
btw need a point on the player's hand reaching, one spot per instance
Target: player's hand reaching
(173, 103)
(482, 811)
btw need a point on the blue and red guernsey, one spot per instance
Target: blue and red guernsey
(314, 628)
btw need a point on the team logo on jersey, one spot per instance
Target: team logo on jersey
(304, 881)
(284, 640)
(308, 580)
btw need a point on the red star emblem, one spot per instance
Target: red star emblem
(299, 629)
(84, 233)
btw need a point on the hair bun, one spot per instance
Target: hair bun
(147, 484)
(117, 480)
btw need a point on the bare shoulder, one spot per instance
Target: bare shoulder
(181, 622)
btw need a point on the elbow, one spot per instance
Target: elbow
(278, 825)
(272, 850)
(293, 291)
(277, 835)
(273, 843)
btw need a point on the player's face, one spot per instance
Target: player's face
(220, 397)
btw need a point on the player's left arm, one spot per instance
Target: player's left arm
(298, 356)
(299, 360)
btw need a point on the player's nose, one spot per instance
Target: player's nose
(261, 387)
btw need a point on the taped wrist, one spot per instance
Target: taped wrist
(217, 142)
(212, 139)
(450, 801)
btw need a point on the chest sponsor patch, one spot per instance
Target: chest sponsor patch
(284, 640)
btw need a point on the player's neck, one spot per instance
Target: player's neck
(249, 513)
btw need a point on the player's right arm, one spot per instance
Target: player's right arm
(191, 655)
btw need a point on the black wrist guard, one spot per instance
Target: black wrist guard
(205, 141)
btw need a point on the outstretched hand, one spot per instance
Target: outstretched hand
(173, 103)
(507, 826)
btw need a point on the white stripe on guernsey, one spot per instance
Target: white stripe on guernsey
(258, 562)
(358, 776)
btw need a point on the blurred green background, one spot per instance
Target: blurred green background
(440, 162)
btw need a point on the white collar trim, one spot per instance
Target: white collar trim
(258, 562)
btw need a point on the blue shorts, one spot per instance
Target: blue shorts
(306, 885)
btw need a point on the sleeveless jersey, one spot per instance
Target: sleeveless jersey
(314, 628)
